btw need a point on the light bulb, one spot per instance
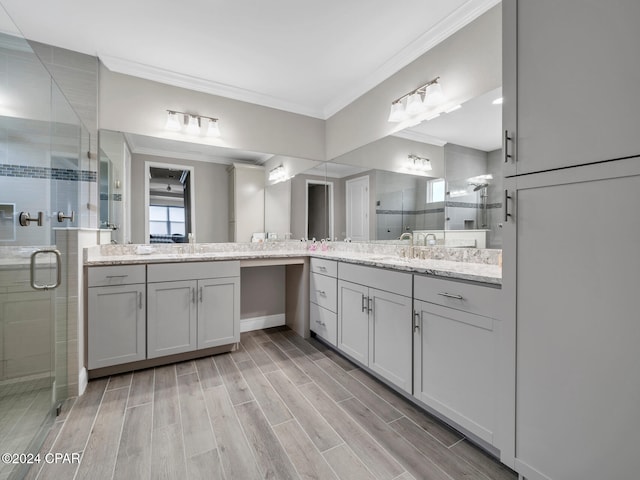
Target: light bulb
(397, 113)
(213, 130)
(173, 122)
(414, 104)
(433, 95)
(193, 128)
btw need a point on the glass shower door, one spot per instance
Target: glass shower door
(40, 140)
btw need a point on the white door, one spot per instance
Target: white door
(357, 203)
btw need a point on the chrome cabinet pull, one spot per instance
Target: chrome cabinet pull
(323, 268)
(505, 148)
(36, 286)
(451, 295)
(62, 217)
(140, 300)
(116, 276)
(201, 294)
(507, 197)
(370, 304)
(322, 293)
(322, 324)
(363, 305)
(193, 294)
(416, 321)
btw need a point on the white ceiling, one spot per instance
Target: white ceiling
(306, 57)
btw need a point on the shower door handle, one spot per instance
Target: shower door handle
(37, 286)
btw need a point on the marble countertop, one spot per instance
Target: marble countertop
(461, 270)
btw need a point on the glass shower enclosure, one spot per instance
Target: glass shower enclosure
(41, 147)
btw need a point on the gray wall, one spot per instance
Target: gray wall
(211, 185)
(262, 291)
(136, 105)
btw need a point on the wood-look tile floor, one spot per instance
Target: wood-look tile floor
(280, 407)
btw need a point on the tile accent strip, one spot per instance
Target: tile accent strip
(25, 171)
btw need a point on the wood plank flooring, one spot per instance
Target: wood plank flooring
(280, 407)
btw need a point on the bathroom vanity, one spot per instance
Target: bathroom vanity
(425, 326)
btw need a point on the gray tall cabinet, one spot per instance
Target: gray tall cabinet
(571, 264)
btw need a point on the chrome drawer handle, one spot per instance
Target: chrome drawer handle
(321, 323)
(116, 276)
(322, 292)
(324, 269)
(451, 295)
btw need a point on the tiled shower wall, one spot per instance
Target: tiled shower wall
(76, 74)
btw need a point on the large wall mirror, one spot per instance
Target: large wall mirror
(440, 180)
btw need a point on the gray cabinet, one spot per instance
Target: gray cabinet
(172, 318)
(570, 80)
(116, 315)
(456, 354)
(192, 306)
(218, 311)
(323, 304)
(374, 320)
(576, 356)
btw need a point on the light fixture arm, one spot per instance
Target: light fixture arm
(422, 89)
(192, 115)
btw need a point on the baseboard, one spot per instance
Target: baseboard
(83, 381)
(257, 323)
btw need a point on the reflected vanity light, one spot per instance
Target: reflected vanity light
(417, 101)
(277, 174)
(192, 124)
(419, 164)
(498, 101)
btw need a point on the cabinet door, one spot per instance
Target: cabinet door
(172, 318)
(577, 82)
(390, 337)
(353, 320)
(455, 364)
(116, 325)
(578, 327)
(218, 312)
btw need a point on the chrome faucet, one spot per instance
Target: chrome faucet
(426, 239)
(410, 237)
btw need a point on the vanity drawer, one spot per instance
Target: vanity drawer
(323, 323)
(170, 272)
(470, 298)
(116, 275)
(325, 267)
(387, 280)
(323, 291)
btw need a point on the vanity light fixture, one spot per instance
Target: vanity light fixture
(277, 174)
(192, 124)
(419, 164)
(417, 101)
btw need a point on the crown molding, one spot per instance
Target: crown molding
(176, 79)
(462, 16)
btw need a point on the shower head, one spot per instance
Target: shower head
(479, 186)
